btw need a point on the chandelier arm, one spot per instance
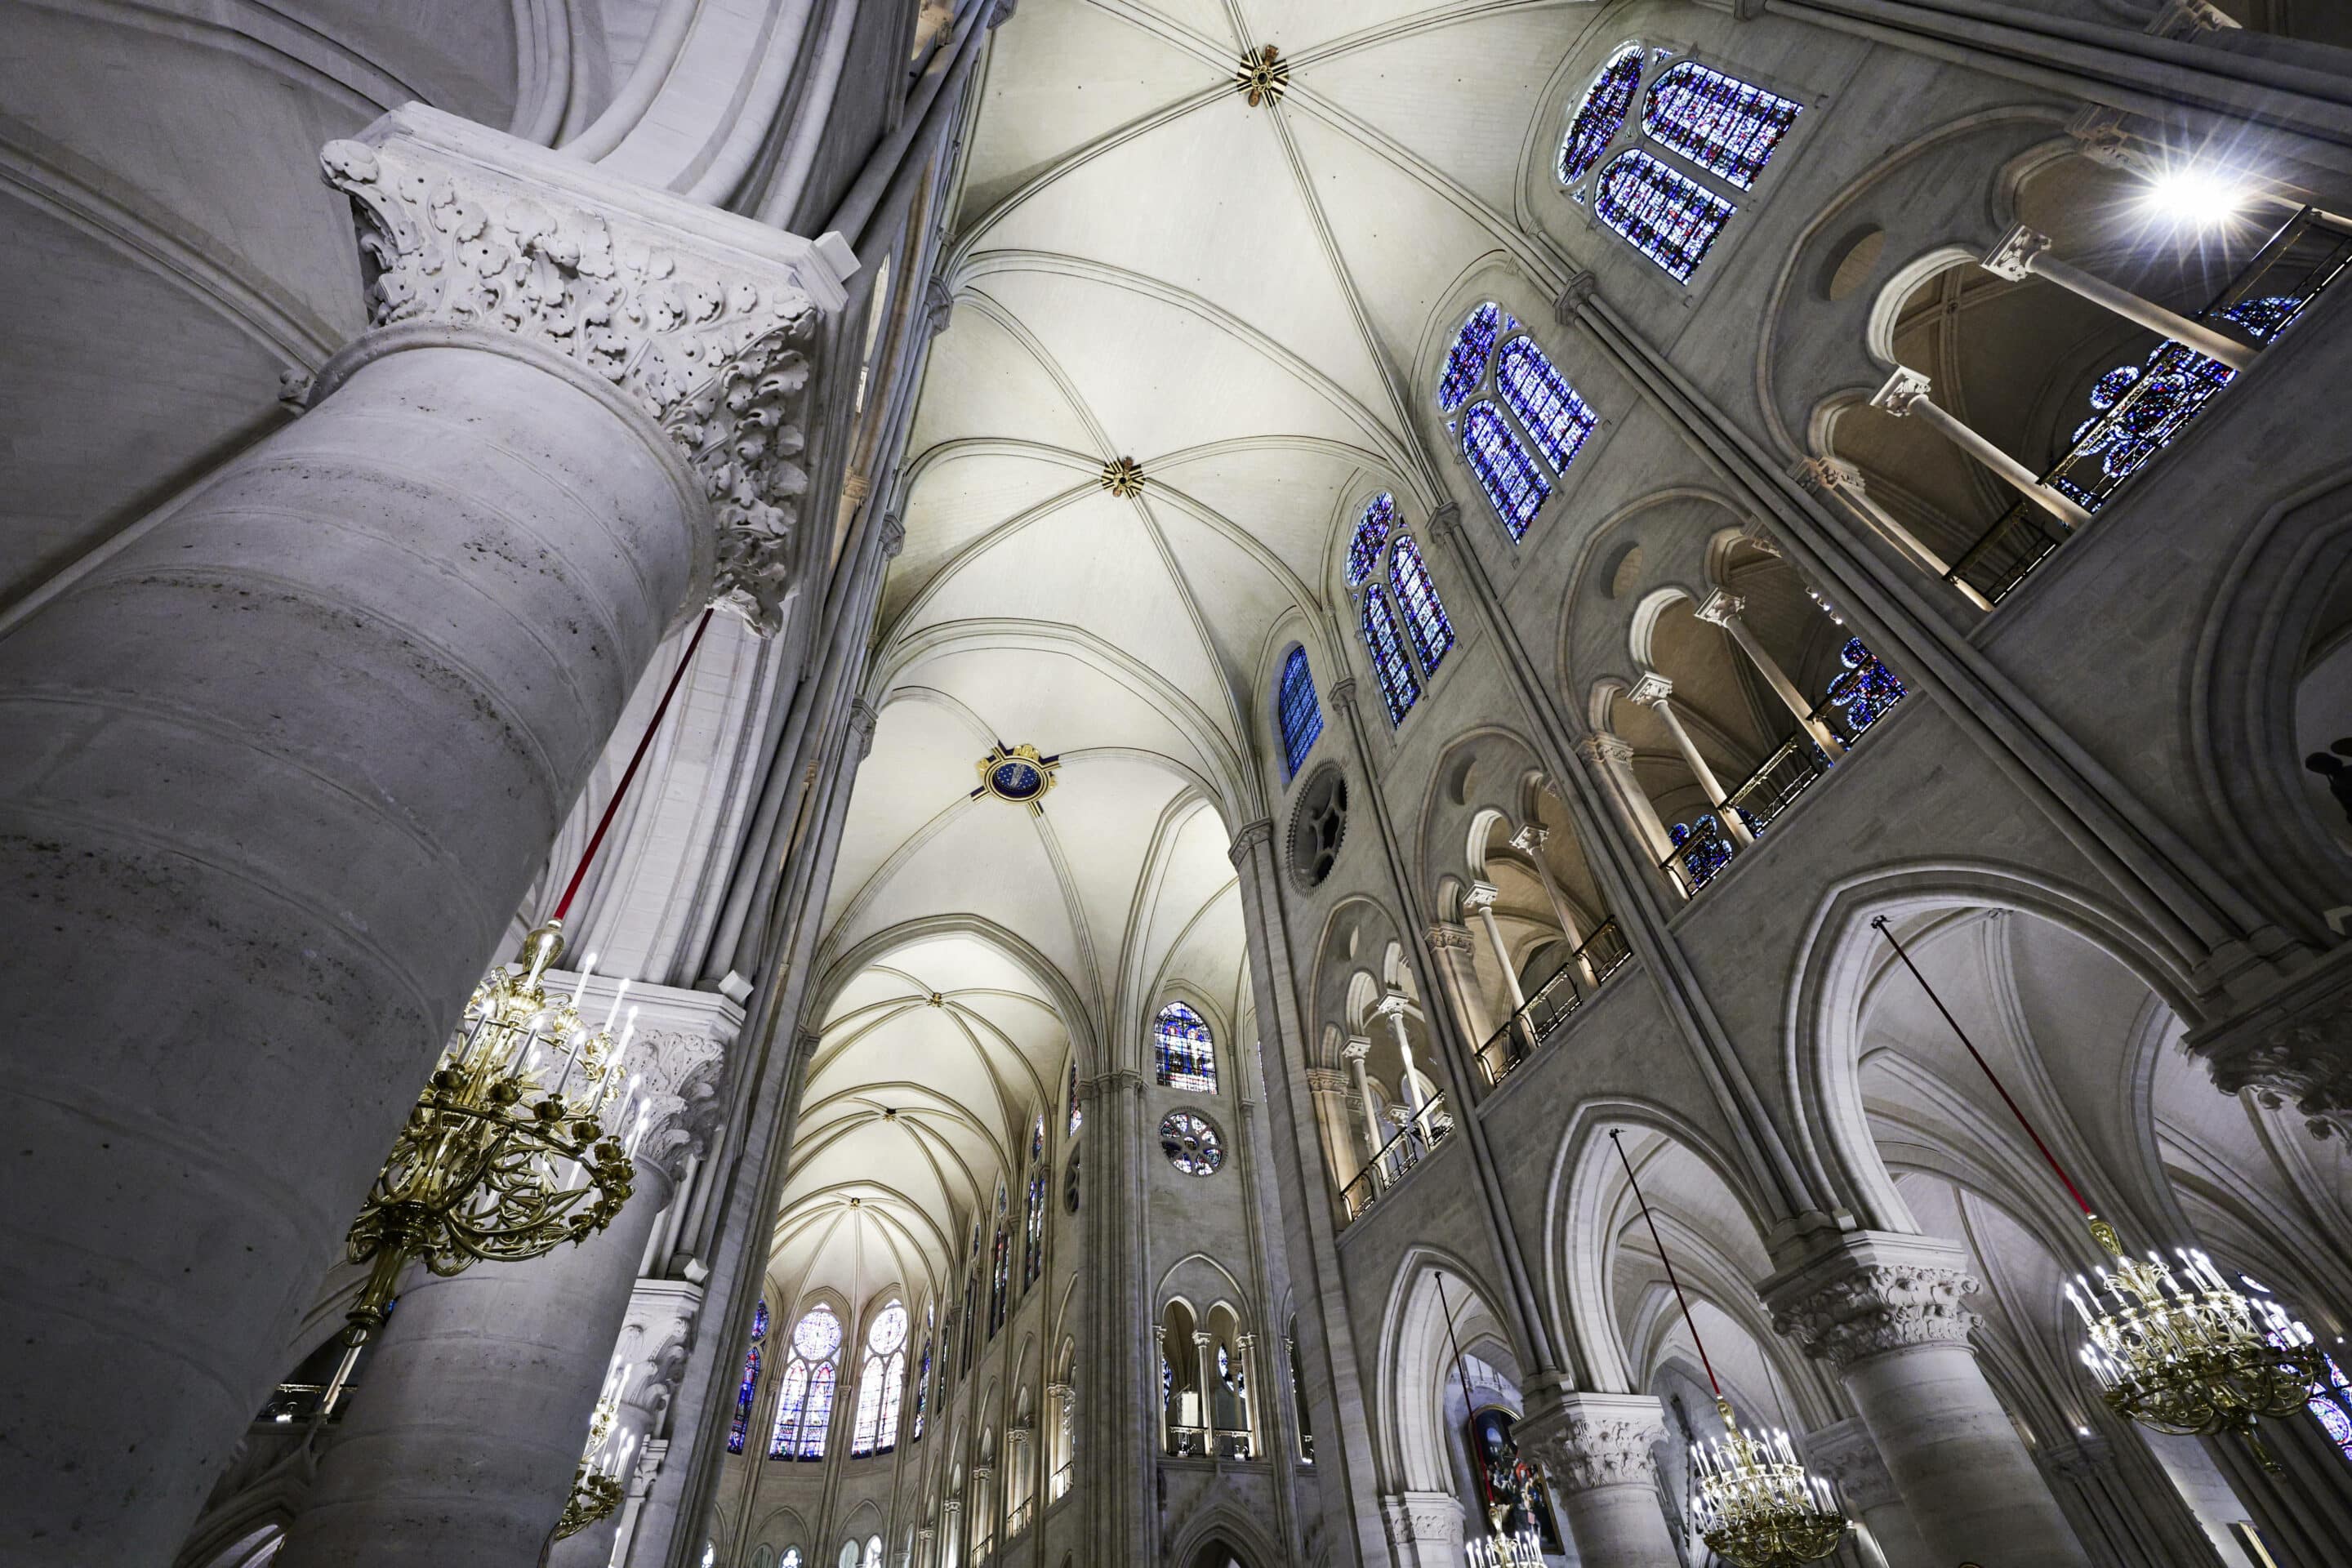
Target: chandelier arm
(621, 790)
(1714, 1381)
(1984, 1067)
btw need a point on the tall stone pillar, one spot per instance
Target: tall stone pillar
(1885, 1311)
(280, 769)
(463, 1445)
(1597, 1448)
(1848, 1455)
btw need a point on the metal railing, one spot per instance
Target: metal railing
(1231, 1444)
(1775, 785)
(1187, 1442)
(1415, 1136)
(1062, 1476)
(1697, 858)
(1023, 1513)
(1550, 1005)
(2134, 422)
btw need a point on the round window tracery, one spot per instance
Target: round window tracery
(1192, 1145)
(817, 1335)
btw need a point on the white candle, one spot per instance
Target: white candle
(581, 983)
(614, 1011)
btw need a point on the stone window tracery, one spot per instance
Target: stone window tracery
(1520, 408)
(804, 1393)
(1192, 1145)
(1399, 689)
(1601, 113)
(1513, 485)
(1719, 122)
(1669, 218)
(881, 1384)
(1424, 613)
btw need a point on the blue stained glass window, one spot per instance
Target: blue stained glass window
(1553, 412)
(1602, 115)
(804, 1396)
(2331, 1402)
(1301, 717)
(1666, 217)
(1000, 1279)
(1077, 1117)
(1187, 1051)
(1703, 849)
(1466, 362)
(1424, 615)
(1033, 1259)
(792, 1397)
(1371, 533)
(1865, 688)
(1515, 487)
(922, 1391)
(819, 1420)
(1398, 687)
(750, 1389)
(1724, 125)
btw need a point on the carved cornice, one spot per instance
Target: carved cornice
(1875, 1294)
(1415, 1519)
(703, 319)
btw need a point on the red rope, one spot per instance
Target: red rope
(1986, 1068)
(1712, 1381)
(621, 789)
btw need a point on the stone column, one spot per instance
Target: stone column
(1353, 1053)
(462, 1445)
(1480, 900)
(1612, 757)
(1529, 841)
(1204, 1377)
(1906, 395)
(1425, 1529)
(950, 1512)
(1245, 1347)
(646, 1364)
(1655, 691)
(1019, 1478)
(1449, 947)
(280, 769)
(1831, 479)
(1848, 1455)
(1723, 609)
(1329, 1091)
(1392, 1007)
(1886, 1313)
(2024, 253)
(1064, 1451)
(1597, 1450)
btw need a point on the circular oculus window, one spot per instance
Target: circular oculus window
(1192, 1145)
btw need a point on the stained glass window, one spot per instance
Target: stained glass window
(1032, 1257)
(1515, 487)
(1553, 411)
(1300, 714)
(881, 1383)
(1424, 615)
(1724, 125)
(970, 1306)
(923, 1379)
(1666, 217)
(2332, 1404)
(1187, 1052)
(1865, 689)
(1070, 1183)
(1000, 1279)
(1037, 1139)
(1191, 1144)
(1371, 533)
(1399, 689)
(1077, 1118)
(1602, 115)
(1466, 362)
(750, 1389)
(1703, 850)
(804, 1397)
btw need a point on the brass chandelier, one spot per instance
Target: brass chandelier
(515, 1146)
(595, 1491)
(1756, 1506)
(2176, 1350)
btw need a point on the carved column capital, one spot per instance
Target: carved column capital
(1904, 388)
(1326, 1080)
(1531, 839)
(1602, 749)
(1872, 1293)
(1651, 691)
(1592, 1440)
(1574, 295)
(1721, 608)
(894, 536)
(1357, 1048)
(1481, 897)
(1446, 937)
(939, 305)
(1425, 1529)
(680, 1076)
(2013, 258)
(1825, 476)
(1247, 837)
(650, 1357)
(705, 319)
(862, 720)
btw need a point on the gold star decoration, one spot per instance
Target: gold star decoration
(1262, 77)
(1123, 476)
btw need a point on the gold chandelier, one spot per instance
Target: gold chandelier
(1756, 1506)
(512, 1149)
(595, 1491)
(2180, 1350)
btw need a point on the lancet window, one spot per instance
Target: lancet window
(1077, 1117)
(923, 1374)
(804, 1393)
(1000, 1267)
(1384, 569)
(1525, 423)
(749, 1389)
(1033, 1254)
(1301, 716)
(881, 1383)
(1399, 689)
(1187, 1050)
(1424, 615)
(1717, 125)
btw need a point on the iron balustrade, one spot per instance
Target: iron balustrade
(1019, 1520)
(1062, 1481)
(1776, 782)
(2135, 422)
(1415, 1136)
(1549, 1005)
(1697, 857)
(1233, 1445)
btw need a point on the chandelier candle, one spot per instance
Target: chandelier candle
(2179, 1351)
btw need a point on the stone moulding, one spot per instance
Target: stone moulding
(706, 321)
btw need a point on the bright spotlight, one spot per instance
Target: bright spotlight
(2195, 196)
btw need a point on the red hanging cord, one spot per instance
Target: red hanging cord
(621, 789)
(1712, 1381)
(1986, 1068)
